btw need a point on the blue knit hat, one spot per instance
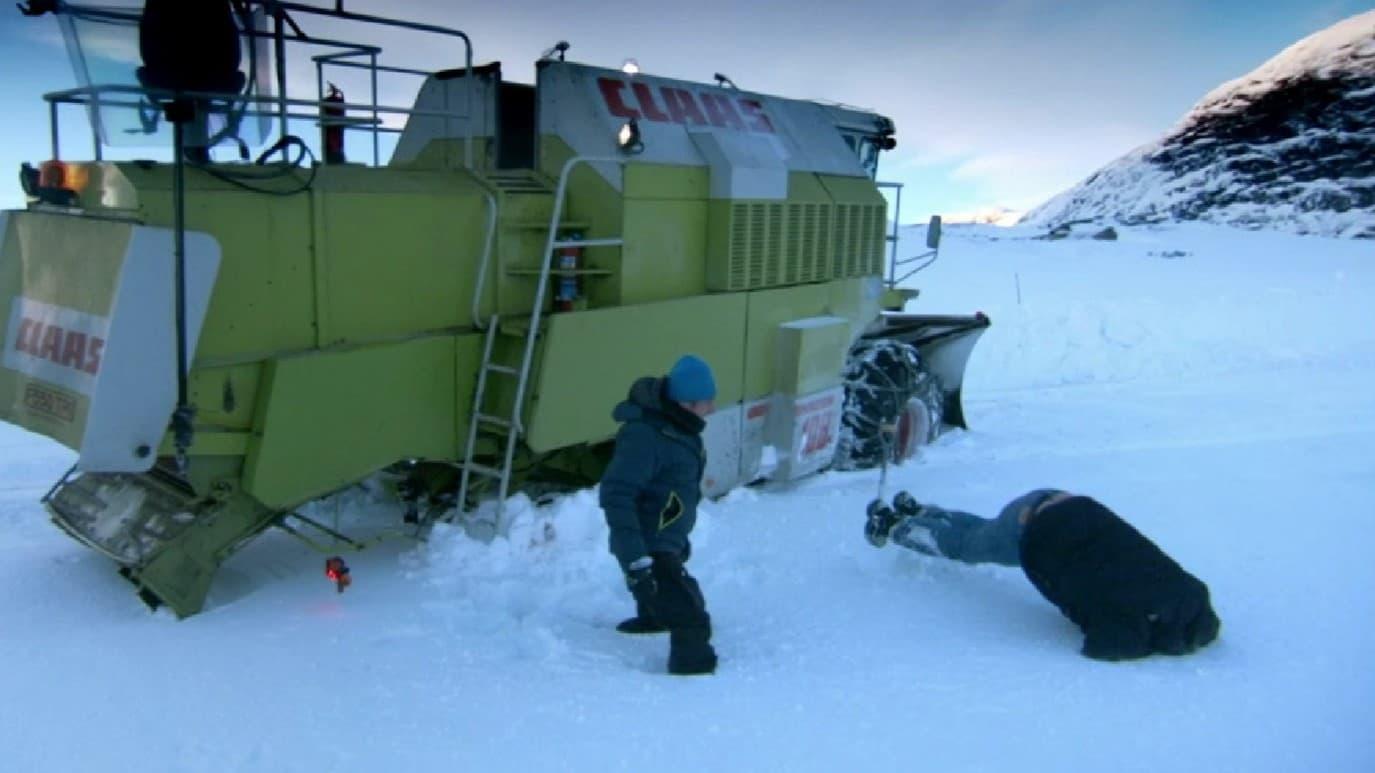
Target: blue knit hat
(691, 380)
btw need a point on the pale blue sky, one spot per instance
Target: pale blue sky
(996, 103)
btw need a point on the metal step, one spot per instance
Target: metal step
(504, 370)
(482, 469)
(612, 242)
(543, 225)
(494, 420)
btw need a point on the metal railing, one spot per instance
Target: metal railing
(280, 13)
(933, 237)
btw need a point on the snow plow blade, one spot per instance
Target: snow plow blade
(944, 343)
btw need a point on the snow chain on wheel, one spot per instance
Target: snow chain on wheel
(886, 384)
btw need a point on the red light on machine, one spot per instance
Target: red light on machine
(338, 573)
(52, 174)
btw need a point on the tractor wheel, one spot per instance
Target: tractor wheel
(886, 386)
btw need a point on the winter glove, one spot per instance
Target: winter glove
(639, 578)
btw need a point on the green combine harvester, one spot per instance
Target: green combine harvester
(224, 341)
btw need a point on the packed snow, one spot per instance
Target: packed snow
(1212, 385)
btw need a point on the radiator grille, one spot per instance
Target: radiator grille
(776, 244)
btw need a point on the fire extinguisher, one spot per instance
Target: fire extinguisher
(568, 286)
(332, 126)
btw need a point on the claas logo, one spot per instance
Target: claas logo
(669, 104)
(68, 348)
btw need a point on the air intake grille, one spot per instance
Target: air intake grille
(776, 244)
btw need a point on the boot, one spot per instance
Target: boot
(690, 652)
(644, 622)
(640, 625)
(880, 519)
(906, 504)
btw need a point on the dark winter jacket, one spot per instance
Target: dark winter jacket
(651, 489)
(1128, 597)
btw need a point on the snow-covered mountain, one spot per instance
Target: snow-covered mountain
(1290, 145)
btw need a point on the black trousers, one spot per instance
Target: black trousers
(679, 604)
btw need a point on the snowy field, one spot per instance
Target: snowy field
(1216, 387)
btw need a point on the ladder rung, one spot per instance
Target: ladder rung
(588, 243)
(482, 469)
(505, 370)
(497, 420)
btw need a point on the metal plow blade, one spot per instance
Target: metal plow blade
(945, 343)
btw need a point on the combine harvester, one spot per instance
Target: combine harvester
(222, 343)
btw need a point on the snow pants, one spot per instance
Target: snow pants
(681, 608)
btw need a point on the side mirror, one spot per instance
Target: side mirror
(933, 232)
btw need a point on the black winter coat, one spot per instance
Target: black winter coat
(651, 489)
(1124, 593)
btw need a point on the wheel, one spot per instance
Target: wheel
(887, 386)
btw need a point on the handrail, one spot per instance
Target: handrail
(892, 238)
(339, 13)
(547, 261)
(90, 96)
(486, 258)
(279, 11)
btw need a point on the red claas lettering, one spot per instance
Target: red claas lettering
(68, 348)
(670, 104)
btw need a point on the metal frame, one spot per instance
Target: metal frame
(280, 13)
(894, 263)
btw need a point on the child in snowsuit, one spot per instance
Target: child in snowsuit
(1124, 593)
(649, 493)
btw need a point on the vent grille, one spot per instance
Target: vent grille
(776, 244)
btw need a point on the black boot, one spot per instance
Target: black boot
(641, 625)
(643, 622)
(906, 504)
(880, 520)
(690, 652)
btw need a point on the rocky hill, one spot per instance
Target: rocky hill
(1290, 146)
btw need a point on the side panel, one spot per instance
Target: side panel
(396, 253)
(591, 358)
(805, 430)
(767, 310)
(586, 106)
(264, 299)
(327, 420)
(37, 252)
(137, 390)
(665, 233)
(90, 335)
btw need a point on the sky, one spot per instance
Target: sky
(997, 103)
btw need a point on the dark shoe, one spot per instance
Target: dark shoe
(906, 504)
(695, 664)
(640, 625)
(690, 653)
(880, 521)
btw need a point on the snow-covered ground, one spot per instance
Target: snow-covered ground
(1214, 386)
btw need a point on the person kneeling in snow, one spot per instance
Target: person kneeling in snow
(650, 493)
(1128, 597)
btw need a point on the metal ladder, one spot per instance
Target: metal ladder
(511, 427)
